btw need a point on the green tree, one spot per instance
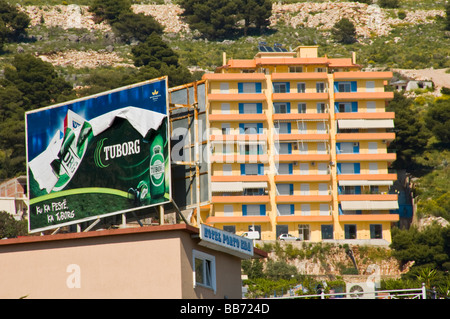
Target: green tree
(136, 26)
(109, 10)
(255, 12)
(447, 16)
(438, 120)
(13, 23)
(215, 19)
(411, 136)
(28, 83)
(37, 80)
(154, 52)
(10, 228)
(344, 31)
(389, 4)
(427, 248)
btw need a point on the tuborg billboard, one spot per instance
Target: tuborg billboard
(98, 156)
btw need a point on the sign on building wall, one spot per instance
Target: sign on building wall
(101, 155)
(224, 241)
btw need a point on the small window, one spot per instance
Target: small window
(301, 107)
(204, 270)
(344, 87)
(280, 87)
(327, 231)
(320, 87)
(295, 69)
(280, 108)
(301, 87)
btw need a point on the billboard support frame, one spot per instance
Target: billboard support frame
(196, 163)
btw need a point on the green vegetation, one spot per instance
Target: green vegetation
(219, 19)
(344, 31)
(13, 24)
(11, 228)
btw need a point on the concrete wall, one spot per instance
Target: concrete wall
(145, 262)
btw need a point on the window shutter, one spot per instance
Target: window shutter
(241, 128)
(259, 127)
(336, 107)
(290, 169)
(262, 210)
(357, 168)
(260, 169)
(244, 210)
(354, 106)
(356, 149)
(288, 107)
(259, 108)
(338, 165)
(292, 209)
(241, 87)
(289, 127)
(291, 189)
(354, 86)
(241, 108)
(258, 87)
(242, 169)
(358, 190)
(338, 148)
(336, 87)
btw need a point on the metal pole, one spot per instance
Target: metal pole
(424, 291)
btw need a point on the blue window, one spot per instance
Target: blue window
(281, 87)
(346, 107)
(252, 169)
(250, 128)
(253, 210)
(250, 108)
(249, 87)
(345, 86)
(282, 107)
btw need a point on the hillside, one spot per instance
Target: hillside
(59, 28)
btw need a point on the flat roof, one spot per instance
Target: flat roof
(110, 232)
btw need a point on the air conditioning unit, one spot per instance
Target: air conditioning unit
(361, 290)
(355, 144)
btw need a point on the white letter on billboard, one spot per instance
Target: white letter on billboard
(74, 279)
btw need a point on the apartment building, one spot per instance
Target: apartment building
(299, 145)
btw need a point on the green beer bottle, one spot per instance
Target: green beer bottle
(157, 166)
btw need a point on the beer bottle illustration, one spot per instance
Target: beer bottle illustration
(157, 166)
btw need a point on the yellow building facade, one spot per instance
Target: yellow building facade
(299, 145)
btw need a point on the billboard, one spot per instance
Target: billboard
(98, 156)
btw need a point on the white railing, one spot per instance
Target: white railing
(413, 293)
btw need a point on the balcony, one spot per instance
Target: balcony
(237, 117)
(305, 219)
(354, 96)
(240, 178)
(390, 157)
(364, 115)
(237, 158)
(302, 157)
(302, 198)
(302, 178)
(364, 136)
(322, 76)
(237, 219)
(299, 96)
(368, 197)
(250, 199)
(367, 177)
(358, 75)
(240, 97)
(302, 137)
(369, 218)
(301, 116)
(238, 138)
(234, 77)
